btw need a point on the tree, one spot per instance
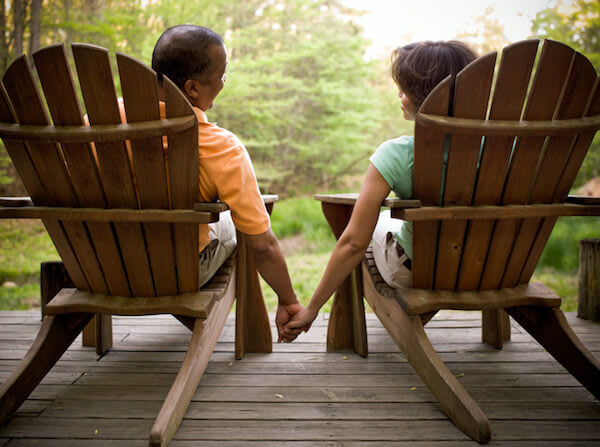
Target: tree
(486, 33)
(308, 112)
(299, 93)
(35, 26)
(576, 23)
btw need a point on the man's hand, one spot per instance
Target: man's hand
(301, 321)
(283, 315)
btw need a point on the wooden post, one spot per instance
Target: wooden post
(347, 327)
(589, 279)
(53, 277)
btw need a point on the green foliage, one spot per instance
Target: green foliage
(20, 298)
(306, 241)
(5, 178)
(562, 250)
(576, 23)
(485, 33)
(301, 216)
(309, 109)
(306, 270)
(561, 283)
(300, 94)
(25, 244)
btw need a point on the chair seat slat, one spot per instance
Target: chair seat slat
(195, 304)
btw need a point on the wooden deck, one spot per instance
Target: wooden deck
(299, 395)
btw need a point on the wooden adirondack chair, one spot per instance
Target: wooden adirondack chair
(128, 241)
(478, 237)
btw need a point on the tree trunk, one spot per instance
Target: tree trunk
(589, 279)
(35, 26)
(18, 26)
(68, 30)
(3, 42)
(93, 8)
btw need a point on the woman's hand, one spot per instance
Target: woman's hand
(283, 316)
(300, 322)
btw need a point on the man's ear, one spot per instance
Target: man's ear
(190, 89)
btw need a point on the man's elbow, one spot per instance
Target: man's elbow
(262, 244)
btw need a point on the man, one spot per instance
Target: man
(195, 59)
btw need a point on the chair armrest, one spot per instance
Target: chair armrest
(15, 201)
(211, 207)
(109, 215)
(219, 207)
(270, 198)
(584, 200)
(337, 199)
(351, 198)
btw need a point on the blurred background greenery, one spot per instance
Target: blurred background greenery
(303, 93)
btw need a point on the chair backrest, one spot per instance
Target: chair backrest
(106, 171)
(511, 164)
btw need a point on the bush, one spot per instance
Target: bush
(302, 216)
(562, 250)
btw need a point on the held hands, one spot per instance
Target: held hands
(282, 317)
(301, 321)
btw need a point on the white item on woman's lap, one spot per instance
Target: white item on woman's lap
(388, 253)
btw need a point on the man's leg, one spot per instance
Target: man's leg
(222, 244)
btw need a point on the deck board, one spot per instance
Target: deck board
(299, 395)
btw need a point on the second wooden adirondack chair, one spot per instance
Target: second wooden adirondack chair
(127, 233)
(513, 151)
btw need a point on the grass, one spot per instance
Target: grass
(24, 244)
(306, 241)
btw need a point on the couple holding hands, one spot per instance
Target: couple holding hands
(195, 59)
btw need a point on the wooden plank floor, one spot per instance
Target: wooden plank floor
(299, 395)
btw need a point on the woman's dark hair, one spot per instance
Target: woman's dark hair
(418, 67)
(181, 52)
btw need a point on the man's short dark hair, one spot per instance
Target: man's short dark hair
(418, 67)
(181, 52)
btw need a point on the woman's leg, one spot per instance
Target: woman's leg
(389, 256)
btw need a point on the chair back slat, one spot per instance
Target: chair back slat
(183, 176)
(500, 170)
(24, 166)
(59, 89)
(428, 170)
(140, 95)
(508, 248)
(471, 98)
(549, 84)
(510, 89)
(49, 164)
(109, 256)
(579, 150)
(99, 95)
(564, 155)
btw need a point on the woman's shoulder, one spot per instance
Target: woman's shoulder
(405, 141)
(397, 147)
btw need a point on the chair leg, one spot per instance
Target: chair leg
(408, 333)
(347, 327)
(495, 327)
(252, 325)
(203, 341)
(98, 333)
(551, 329)
(53, 277)
(54, 338)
